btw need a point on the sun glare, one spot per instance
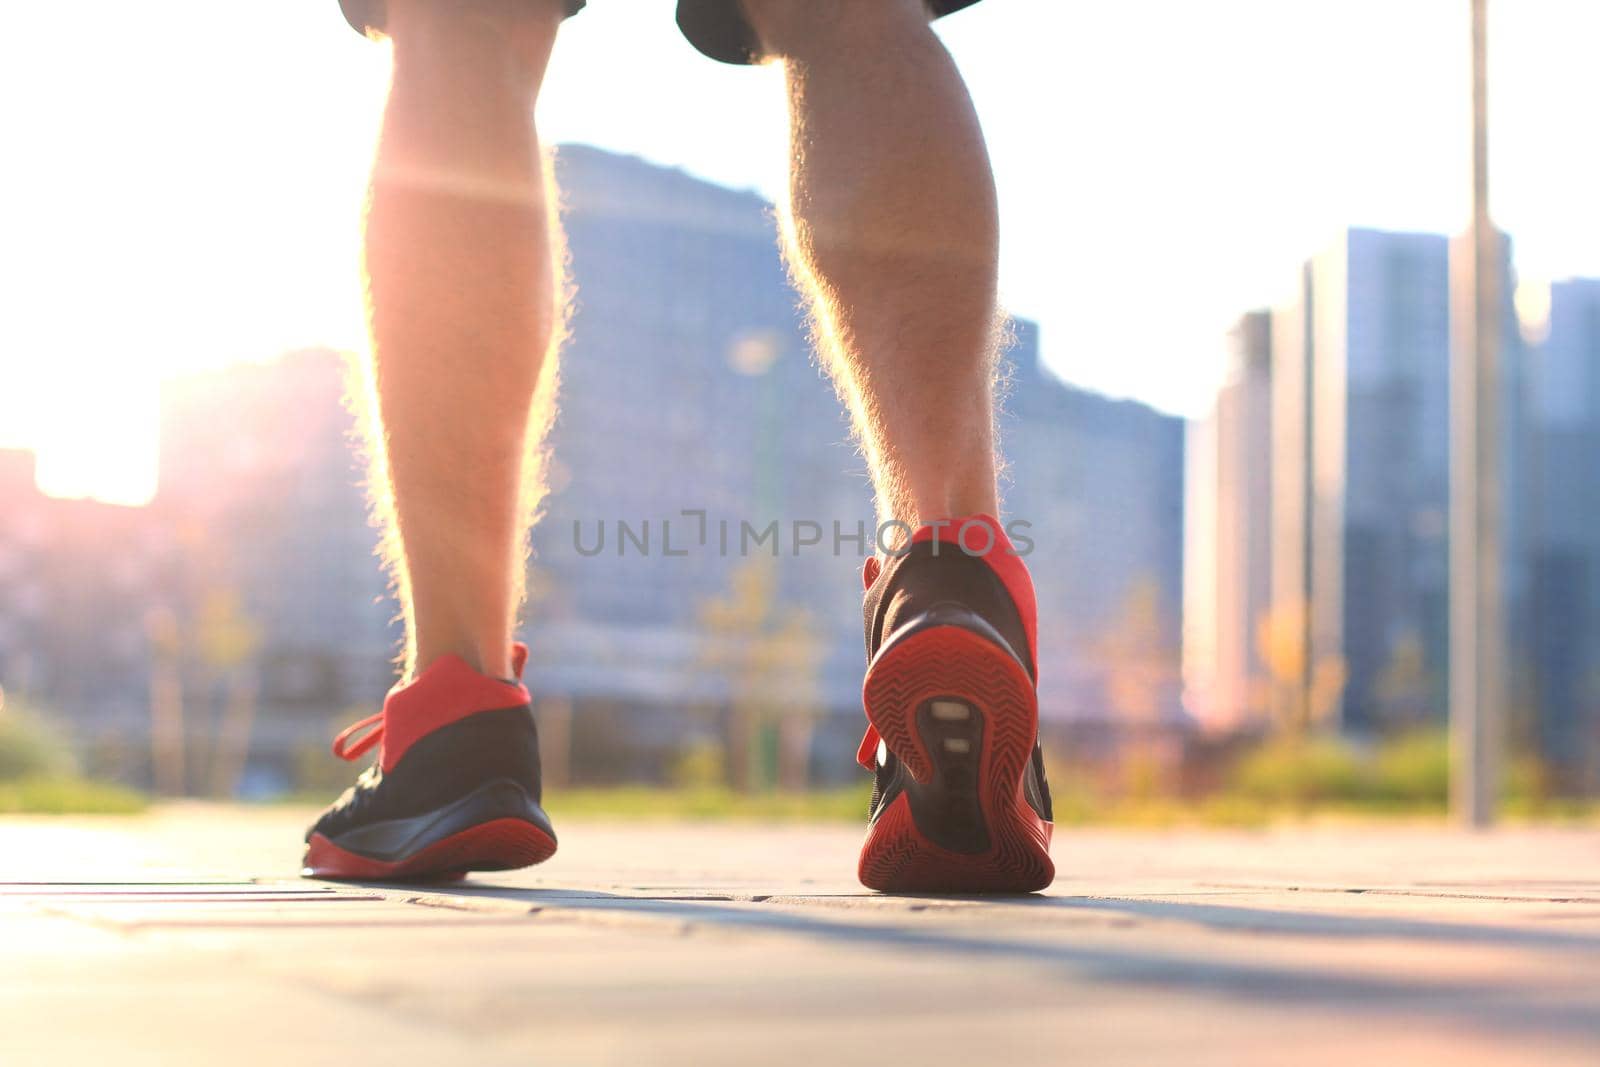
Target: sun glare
(176, 214)
(187, 177)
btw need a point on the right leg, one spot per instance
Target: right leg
(891, 228)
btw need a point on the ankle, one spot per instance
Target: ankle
(492, 658)
(943, 505)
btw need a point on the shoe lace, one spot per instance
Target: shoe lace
(867, 753)
(359, 738)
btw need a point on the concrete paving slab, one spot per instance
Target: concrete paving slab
(704, 944)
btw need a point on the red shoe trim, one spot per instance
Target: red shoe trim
(497, 845)
(951, 662)
(448, 691)
(867, 753)
(983, 536)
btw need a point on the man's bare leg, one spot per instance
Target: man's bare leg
(891, 232)
(462, 305)
(462, 301)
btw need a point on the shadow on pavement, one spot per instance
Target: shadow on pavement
(1207, 966)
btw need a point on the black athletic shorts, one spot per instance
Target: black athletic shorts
(716, 27)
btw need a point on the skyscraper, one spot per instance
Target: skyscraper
(1101, 481)
(1562, 634)
(1360, 482)
(1228, 525)
(1360, 393)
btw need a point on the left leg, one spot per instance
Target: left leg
(462, 300)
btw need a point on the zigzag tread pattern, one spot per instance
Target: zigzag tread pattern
(949, 662)
(898, 859)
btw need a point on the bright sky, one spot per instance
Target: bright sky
(184, 177)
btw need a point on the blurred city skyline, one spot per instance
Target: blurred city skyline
(1298, 537)
(1317, 531)
(250, 583)
(190, 198)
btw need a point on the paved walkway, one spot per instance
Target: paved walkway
(184, 938)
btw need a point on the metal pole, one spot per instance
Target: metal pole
(1477, 646)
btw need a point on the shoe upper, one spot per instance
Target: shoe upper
(943, 577)
(442, 735)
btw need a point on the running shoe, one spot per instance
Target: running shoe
(959, 801)
(455, 787)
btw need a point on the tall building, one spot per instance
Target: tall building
(1342, 402)
(1101, 481)
(1562, 633)
(1227, 548)
(1360, 483)
(1360, 477)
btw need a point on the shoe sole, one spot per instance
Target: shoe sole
(495, 828)
(934, 696)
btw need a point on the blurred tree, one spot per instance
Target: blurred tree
(763, 648)
(227, 641)
(1141, 673)
(1141, 663)
(216, 648)
(1404, 684)
(1305, 693)
(1328, 677)
(166, 701)
(699, 765)
(1281, 642)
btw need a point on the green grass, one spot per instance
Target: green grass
(692, 803)
(1073, 807)
(1228, 810)
(1317, 778)
(67, 795)
(710, 803)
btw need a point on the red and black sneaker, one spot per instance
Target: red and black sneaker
(959, 803)
(455, 788)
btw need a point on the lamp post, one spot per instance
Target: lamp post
(1477, 628)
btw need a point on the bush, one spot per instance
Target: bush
(699, 765)
(29, 749)
(38, 774)
(1526, 784)
(1299, 771)
(65, 795)
(1413, 769)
